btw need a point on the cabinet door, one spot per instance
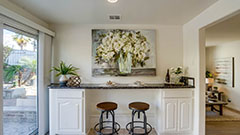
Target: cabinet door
(185, 115)
(69, 116)
(170, 115)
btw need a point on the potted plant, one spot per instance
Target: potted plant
(209, 77)
(209, 80)
(176, 74)
(63, 70)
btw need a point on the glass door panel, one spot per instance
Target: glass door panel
(19, 83)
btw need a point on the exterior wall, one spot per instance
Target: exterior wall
(16, 55)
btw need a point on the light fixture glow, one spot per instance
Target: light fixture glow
(112, 1)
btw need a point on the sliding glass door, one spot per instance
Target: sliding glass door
(20, 88)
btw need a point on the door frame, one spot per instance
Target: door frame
(1, 80)
(194, 52)
(202, 65)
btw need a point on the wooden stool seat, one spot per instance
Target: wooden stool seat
(141, 106)
(107, 106)
(107, 124)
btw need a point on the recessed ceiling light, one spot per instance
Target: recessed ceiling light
(112, 1)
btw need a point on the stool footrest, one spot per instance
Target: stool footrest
(138, 127)
(99, 131)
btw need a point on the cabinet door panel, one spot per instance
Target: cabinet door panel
(170, 115)
(69, 115)
(185, 115)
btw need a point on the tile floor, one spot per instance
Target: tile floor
(18, 128)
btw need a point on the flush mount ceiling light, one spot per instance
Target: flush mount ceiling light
(112, 1)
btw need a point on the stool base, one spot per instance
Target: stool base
(130, 130)
(99, 131)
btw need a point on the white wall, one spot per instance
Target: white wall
(230, 49)
(73, 46)
(194, 53)
(223, 32)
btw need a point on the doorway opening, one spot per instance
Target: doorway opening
(222, 77)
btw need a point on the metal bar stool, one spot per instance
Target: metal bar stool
(139, 107)
(107, 107)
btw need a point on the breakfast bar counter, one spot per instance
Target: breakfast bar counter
(123, 86)
(72, 110)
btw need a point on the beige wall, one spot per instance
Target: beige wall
(73, 46)
(230, 49)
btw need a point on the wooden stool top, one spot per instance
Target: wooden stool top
(107, 106)
(141, 106)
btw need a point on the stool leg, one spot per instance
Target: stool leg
(113, 121)
(145, 122)
(138, 114)
(101, 122)
(132, 124)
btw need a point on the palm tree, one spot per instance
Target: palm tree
(13, 71)
(18, 71)
(21, 40)
(30, 64)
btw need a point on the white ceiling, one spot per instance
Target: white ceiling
(168, 12)
(223, 32)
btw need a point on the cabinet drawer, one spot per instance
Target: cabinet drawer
(70, 94)
(177, 93)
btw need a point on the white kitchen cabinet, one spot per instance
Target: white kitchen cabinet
(177, 111)
(174, 110)
(170, 118)
(67, 112)
(185, 114)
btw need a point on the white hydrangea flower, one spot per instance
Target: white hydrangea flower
(117, 41)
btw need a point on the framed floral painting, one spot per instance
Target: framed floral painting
(120, 52)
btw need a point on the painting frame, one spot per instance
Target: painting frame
(143, 63)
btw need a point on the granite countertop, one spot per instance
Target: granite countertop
(122, 86)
